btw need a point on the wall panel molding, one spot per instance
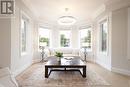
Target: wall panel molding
(121, 71)
(128, 36)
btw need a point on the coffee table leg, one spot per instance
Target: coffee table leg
(46, 72)
(84, 71)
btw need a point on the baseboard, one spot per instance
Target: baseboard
(36, 60)
(18, 71)
(90, 60)
(121, 71)
(103, 65)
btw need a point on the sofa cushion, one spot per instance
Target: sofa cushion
(65, 55)
(64, 50)
(52, 51)
(75, 52)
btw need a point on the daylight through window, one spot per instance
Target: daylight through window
(23, 34)
(44, 37)
(104, 34)
(65, 38)
(85, 38)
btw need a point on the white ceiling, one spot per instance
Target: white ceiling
(51, 10)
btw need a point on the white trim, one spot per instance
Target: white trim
(117, 4)
(103, 65)
(99, 11)
(24, 16)
(128, 41)
(36, 60)
(50, 34)
(86, 28)
(121, 71)
(18, 71)
(69, 38)
(104, 19)
(23, 53)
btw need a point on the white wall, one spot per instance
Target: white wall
(5, 42)
(75, 37)
(20, 62)
(120, 62)
(55, 43)
(10, 55)
(36, 54)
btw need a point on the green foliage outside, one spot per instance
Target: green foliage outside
(104, 41)
(44, 40)
(23, 42)
(64, 41)
(87, 39)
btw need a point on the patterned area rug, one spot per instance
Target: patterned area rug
(34, 77)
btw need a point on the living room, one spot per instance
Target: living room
(95, 31)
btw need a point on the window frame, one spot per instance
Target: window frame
(87, 28)
(26, 20)
(69, 38)
(49, 36)
(100, 36)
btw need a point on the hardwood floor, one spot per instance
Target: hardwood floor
(35, 73)
(115, 79)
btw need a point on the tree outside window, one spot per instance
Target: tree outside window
(44, 36)
(104, 36)
(23, 34)
(85, 37)
(65, 38)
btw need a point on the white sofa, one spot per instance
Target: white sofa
(65, 51)
(6, 78)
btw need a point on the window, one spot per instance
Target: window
(85, 38)
(65, 38)
(23, 34)
(44, 37)
(104, 33)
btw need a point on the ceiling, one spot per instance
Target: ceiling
(51, 10)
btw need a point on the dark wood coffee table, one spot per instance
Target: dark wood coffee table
(75, 64)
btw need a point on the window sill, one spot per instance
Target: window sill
(103, 52)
